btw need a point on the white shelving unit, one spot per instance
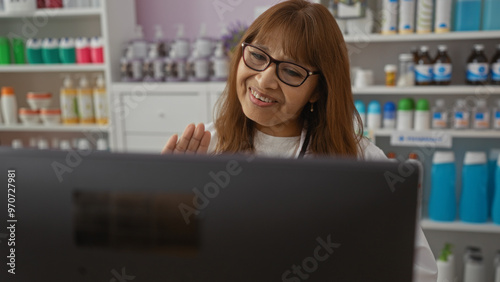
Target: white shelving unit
(460, 226)
(54, 128)
(451, 132)
(115, 21)
(475, 35)
(428, 90)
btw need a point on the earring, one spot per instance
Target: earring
(312, 107)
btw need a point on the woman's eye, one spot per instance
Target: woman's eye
(291, 72)
(258, 56)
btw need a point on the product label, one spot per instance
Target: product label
(439, 120)
(496, 120)
(389, 115)
(442, 72)
(101, 107)
(69, 110)
(201, 68)
(495, 71)
(482, 121)
(423, 73)
(159, 69)
(461, 120)
(477, 71)
(85, 107)
(430, 138)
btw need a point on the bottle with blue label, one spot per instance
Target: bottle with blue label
(481, 115)
(495, 210)
(389, 120)
(467, 15)
(477, 66)
(474, 198)
(442, 67)
(442, 201)
(496, 116)
(495, 67)
(424, 68)
(461, 115)
(439, 115)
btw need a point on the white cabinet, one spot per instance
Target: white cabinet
(146, 115)
(114, 21)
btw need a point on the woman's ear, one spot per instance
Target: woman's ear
(314, 97)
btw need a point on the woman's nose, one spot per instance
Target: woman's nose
(267, 78)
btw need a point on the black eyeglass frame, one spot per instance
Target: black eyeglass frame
(277, 62)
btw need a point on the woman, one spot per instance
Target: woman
(289, 95)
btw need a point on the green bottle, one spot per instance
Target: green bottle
(4, 51)
(19, 52)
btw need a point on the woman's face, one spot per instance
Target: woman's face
(274, 106)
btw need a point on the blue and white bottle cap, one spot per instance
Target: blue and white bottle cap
(474, 158)
(389, 107)
(443, 157)
(374, 107)
(360, 106)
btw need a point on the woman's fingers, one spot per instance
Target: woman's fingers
(183, 143)
(170, 146)
(194, 140)
(205, 142)
(194, 143)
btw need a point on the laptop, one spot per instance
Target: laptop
(97, 216)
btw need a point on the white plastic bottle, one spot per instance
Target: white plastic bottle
(425, 11)
(181, 44)
(68, 101)
(220, 63)
(422, 115)
(474, 269)
(140, 45)
(85, 102)
(404, 120)
(442, 21)
(481, 115)
(496, 265)
(374, 116)
(204, 44)
(461, 115)
(9, 106)
(101, 101)
(198, 67)
(439, 115)
(496, 116)
(406, 16)
(389, 16)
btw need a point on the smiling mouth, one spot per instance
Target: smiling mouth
(261, 98)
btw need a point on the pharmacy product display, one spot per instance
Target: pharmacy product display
(419, 116)
(204, 59)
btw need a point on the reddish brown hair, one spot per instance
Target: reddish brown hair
(309, 34)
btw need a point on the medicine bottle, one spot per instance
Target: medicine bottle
(390, 75)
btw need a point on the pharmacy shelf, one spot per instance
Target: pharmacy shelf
(490, 227)
(56, 13)
(428, 90)
(51, 68)
(451, 132)
(472, 35)
(54, 128)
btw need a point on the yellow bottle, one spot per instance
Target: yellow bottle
(85, 102)
(69, 105)
(101, 101)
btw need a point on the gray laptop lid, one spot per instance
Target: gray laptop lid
(90, 216)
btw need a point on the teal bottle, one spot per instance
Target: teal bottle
(474, 198)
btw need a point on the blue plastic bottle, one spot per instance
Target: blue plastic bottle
(474, 198)
(360, 107)
(443, 200)
(491, 20)
(467, 15)
(492, 166)
(389, 120)
(495, 211)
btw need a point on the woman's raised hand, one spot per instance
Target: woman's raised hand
(194, 140)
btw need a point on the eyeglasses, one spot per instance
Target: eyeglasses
(289, 73)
